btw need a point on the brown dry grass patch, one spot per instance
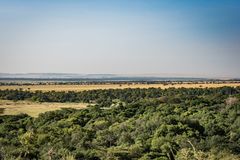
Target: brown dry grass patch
(34, 108)
(112, 86)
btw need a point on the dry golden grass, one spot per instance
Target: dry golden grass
(112, 86)
(33, 108)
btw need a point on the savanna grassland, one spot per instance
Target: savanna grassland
(34, 108)
(85, 87)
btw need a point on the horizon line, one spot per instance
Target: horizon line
(142, 75)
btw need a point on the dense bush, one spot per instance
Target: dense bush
(135, 124)
(106, 97)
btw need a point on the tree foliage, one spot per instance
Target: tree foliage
(127, 124)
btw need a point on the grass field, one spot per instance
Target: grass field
(33, 108)
(112, 86)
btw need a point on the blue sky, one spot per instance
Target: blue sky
(185, 38)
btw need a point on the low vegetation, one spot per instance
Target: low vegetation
(127, 124)
(94, 86)
(34, 108)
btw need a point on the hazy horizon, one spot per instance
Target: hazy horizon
(106, 75)
(178, 38)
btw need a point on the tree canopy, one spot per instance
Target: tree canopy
(126, 124)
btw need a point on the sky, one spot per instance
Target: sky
(149, 37)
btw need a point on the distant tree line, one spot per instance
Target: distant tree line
(102, 82)
(106, 97)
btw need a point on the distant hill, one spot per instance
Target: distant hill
(91, 77)
(54, 75)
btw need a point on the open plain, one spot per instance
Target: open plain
(34, 108)
(67, 87)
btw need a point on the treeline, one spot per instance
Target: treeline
(91, 83)
(106, 97)
(19, 82)
(183, 124)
